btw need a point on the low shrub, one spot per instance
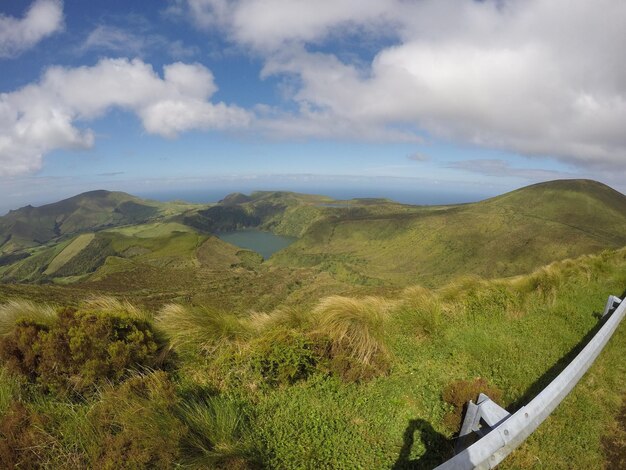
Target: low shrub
(354, 332)
(21, 437)
(137, 424)
(284, 357)
(79, 350)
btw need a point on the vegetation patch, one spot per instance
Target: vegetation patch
(79, 350)
(460, 392)
(354, 329)
(137, 424)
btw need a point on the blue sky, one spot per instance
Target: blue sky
(426, 101)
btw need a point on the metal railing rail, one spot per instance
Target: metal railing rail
(507, 435)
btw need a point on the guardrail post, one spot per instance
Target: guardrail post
(611, 304)
(503, 433)
(480, 418)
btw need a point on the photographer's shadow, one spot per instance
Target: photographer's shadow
(438, 447)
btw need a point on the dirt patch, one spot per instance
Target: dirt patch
(614, 442)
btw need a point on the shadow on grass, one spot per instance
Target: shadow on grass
(438, 447)
(559, 366)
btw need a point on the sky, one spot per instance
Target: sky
(425, 101)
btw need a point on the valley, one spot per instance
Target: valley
(358, 323)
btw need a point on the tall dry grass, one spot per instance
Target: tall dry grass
(287, 317)
(200, 328)
(355, 327)
(16, 310)
(115, 306)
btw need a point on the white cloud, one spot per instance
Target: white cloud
(41, 117)
(269, 24)
(118, 40)
(43, 18)
(536, 77)
(418, 157)
(501, 168)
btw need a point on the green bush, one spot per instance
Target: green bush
(137, 424)
(79, 351)
(285, 357)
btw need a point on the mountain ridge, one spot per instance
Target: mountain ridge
(374, 243)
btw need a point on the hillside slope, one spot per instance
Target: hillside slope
(31, 226)
(503, 236)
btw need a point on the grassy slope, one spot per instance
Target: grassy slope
(74, 248)
(399, 419)
(348, 247)
(33, 226)
(476, 329)
(503, 236)
(459, 332)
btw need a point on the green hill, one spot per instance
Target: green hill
(118, 243)
(179, 349)
(31, 226)
(507, 235)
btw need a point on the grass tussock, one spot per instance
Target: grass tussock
(16, 310)
(200, 329)
(423, 311)
(288, 317)
(10, 390)
(112, 305)
(355, 330)
(218, 433)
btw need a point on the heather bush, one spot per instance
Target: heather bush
(21, 437)
(81, 349)
(285, 356)
(137, 424)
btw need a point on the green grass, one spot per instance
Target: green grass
(504, 236)
(153, 230)
(344, 361)
(71, 250)
(16, 310)
(237, 395)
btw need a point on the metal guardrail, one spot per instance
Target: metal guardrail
(510, 431)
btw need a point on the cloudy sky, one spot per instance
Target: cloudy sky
(427, 100)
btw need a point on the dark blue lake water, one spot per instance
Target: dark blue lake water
(264, 243)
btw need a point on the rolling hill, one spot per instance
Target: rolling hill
(503, 236)
(31, 226)
(115, 242)
(335, 336)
